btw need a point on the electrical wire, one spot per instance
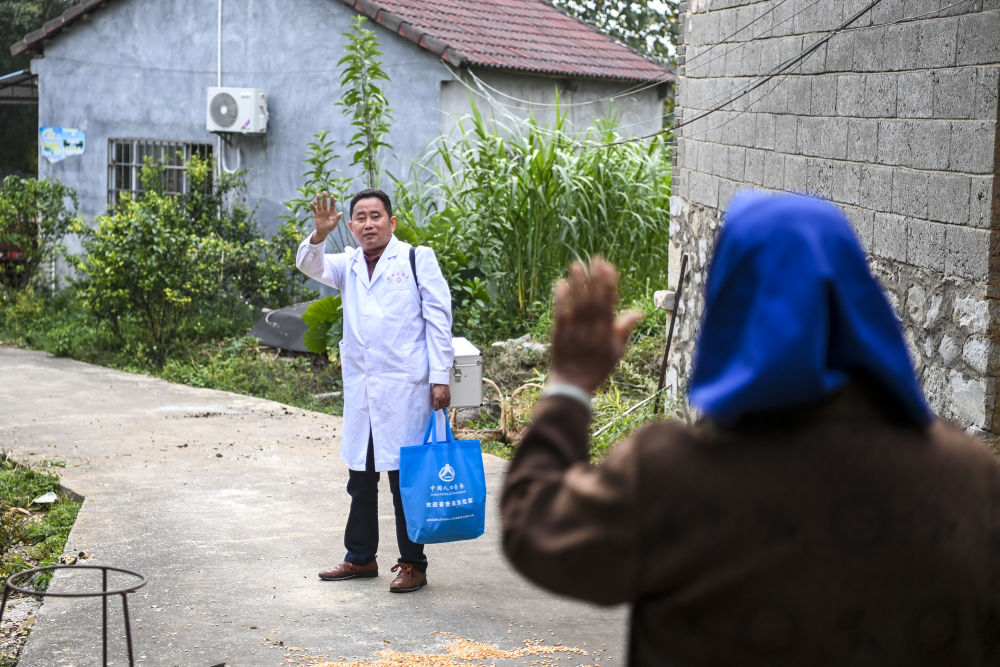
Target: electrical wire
(802, 55)
(687, 62)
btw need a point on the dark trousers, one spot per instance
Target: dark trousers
(361, 534)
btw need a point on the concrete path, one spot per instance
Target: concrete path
(229, 505)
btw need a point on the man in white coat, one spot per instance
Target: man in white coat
(396, 354)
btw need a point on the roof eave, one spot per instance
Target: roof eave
(667, 76)
(34, 39)
(395, 23)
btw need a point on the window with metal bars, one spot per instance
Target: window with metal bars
(126, 157)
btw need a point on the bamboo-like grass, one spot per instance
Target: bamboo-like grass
(531, 199)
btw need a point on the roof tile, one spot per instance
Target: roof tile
(528, 35)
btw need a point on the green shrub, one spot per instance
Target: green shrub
(167, 268)
(34, 216)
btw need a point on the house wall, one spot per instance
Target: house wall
(141, 69)
(895, 120)
(508, 99)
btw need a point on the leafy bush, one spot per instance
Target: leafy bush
(34, 216)
(165, 268)
(325, 319)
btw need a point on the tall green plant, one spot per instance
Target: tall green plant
(34, 216)
(320, 176)
(363, 101)
(528, 203)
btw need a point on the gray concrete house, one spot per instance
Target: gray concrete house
(135, 77)
(890, 110)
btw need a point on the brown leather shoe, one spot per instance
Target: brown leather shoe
(350, 571)
(408, 580)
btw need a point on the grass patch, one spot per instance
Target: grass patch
(31, 535)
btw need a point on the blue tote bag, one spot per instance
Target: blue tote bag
(443, 486)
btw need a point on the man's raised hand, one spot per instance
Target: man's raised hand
(325, 216)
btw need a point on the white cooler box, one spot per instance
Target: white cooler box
(466, 375)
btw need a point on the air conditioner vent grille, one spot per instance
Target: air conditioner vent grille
(224, 109)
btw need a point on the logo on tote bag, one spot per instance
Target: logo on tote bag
(447, 473)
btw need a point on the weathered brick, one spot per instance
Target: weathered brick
(956, 8)
(901, 47)
(982, 199)
(909, 192)
(850, 94)
(880, 96)
(948, 198)
(889, 236)
(703, 28)
(987, 86)
(765, 131)
(894, 138)
(870, 50)
(814, 62)
(888, 11)
(754, 169)
(846, 182)
(952, 88)
(814, 17)
(789, 47)
(915, 95)
(798, 91)
(819, 178)
(770, 54)
(862, 140)
(727, 189)
(863, 222)
(795, 174)
(972, 146)
(783, 18)
(925, 244)
(736, 159)
(774, 170)
(727, 24)
(937, 40)
(977, 39)
(929, 147)
(852, 7)
(707, 162)
(786, 134)
(728, 128)
(704, 189)
(840, 52)
(823, 137)
(967, 252)
(746, 132)
(876, 187)
(823, 100)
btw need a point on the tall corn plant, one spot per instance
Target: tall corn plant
(536, 200)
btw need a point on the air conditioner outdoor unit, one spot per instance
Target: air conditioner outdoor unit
(242, 110)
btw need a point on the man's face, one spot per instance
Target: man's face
(370, 224)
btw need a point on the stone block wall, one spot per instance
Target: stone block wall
(893, 116)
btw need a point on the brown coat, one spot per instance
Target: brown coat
(819, 536)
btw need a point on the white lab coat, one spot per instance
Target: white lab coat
(395, 344)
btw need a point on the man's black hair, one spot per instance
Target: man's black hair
(372, 192)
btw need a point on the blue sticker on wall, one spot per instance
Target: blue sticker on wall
(58, 143)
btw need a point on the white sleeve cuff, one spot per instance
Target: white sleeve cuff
(570, 391)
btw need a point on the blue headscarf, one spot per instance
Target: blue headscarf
(792, 313)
